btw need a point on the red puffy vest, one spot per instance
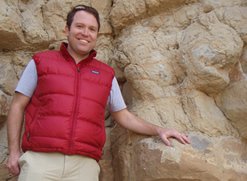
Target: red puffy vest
(66, 111)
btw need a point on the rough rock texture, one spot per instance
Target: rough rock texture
(180, 64)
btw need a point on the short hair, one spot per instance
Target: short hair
(88, 9)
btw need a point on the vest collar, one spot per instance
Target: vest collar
(68, 57)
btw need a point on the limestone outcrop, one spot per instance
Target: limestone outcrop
(180, 64)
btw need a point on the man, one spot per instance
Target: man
(63, 95)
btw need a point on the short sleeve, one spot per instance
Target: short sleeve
(116, 101)
(28, 80)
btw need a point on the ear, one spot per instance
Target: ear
(66, 30)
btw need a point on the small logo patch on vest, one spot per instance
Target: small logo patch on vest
(95, 72)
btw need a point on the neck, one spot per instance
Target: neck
(77, 57)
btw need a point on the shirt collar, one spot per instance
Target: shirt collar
(68, 57)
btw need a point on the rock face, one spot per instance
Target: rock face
(180, 64)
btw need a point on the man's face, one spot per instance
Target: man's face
(82, 35)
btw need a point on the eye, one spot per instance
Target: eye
(93, 29)
(79, 26)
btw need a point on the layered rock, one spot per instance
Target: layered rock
(180, 64)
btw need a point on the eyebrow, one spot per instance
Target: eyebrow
(79, 23)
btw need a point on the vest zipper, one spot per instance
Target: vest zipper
(28, 136)
(76, 105)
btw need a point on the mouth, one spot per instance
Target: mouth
(83, 41)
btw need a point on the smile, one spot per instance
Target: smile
(83, 41)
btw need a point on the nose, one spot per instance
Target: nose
(85, 31)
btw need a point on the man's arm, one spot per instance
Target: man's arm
(14, 127)
(135, 124)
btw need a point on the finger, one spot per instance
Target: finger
(186, 138)
(14, 170)
(166, 141)
(180, 139)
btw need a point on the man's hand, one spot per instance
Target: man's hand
(14, 127)
(165, 134)
(12, 164)
(138, 125)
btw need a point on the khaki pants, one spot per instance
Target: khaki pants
(37, 166)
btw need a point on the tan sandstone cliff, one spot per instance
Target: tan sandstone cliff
(180, 63)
